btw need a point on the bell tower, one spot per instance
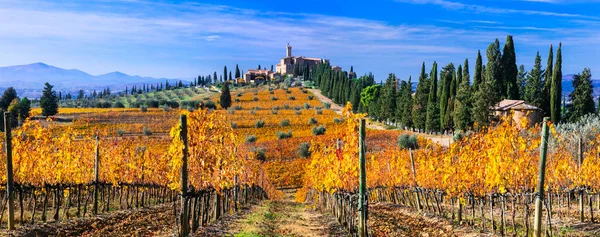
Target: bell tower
(288, 51)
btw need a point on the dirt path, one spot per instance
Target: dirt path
(283, 217)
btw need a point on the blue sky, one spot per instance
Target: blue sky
(184, 39)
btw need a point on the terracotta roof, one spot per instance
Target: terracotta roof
(506, 105)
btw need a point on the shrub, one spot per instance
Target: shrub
(143, 109)
(306, 106)
(285, 123)
(259, 153)
(239, 94)
(231, 111)
(250, 139)
(120, 132)
(118, 105)
(310, 97)
(274, 98)
(274, 111)
(318, 111)
(259, 124)
(257, 108)
(297, 111)
(296, 107)
(338, 120)
(237, 107)
(255, 99)
(284, 135)
(286, 106)
(305, 91)
(304, 150)
(252, 112)
(277, 107)
(208, 105)
(288, 91)
(147, 131)
(292, 98)
(165, 108)
(152, 103)
(318, 130)
(271, 92)
(237, 99)
(327, 105)
(406, 141)
(233, 125)
(312, 121)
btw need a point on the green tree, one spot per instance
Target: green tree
(494, 71)
(225, 73)
(237, 72)
(534, 86)
(49, 101)
(509, 68)
(462, 104)
(370, 96)
(477, 79)
(419, 113)
(407, 104)
(388, 98)
(582, 99)
(547, 74)
(447, 77)
(225, 100)
(7, 97)
(432, 122)
(522, 81)
(482, 100)
(24, 108)
(556, 88)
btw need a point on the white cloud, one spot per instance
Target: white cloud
(212, 38)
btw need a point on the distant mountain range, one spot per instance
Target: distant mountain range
(567, 85)
(29, 79)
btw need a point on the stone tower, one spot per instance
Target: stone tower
(288, 51)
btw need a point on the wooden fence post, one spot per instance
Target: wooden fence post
(579, 163)
(10, 186)
(184, 218)
(542, 172)
(362, 191)
(414, 171)
(96, 174)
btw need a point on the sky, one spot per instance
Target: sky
(184, 39)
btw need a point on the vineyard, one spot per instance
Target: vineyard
(62, 171)
(487, 180)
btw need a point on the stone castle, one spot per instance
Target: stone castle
(286, 65)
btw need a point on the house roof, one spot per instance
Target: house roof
(506, 105)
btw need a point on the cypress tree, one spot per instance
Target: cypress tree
(556, 88)
(522, 81)
(482, 100)
(49, 101)
(582, 99)
(388, 98)
(408, 104)
(509, 67)
(478, 71)
(446, 79)
(534, 86)
(237, 72)
(548, 82)
(215, 78)
(462, 103)
(433, 110)
(465, 72)
(225, 73)
(494, 73)
(225, 99)
(419, 113)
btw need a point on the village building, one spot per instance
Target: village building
(286, 64)
(518, 109)
(258, 75)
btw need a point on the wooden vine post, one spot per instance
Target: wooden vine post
(537, 229)
(414, 172)
(362, 191)
(184, 218)
(10, 186)
(579, 163)
(96, 175)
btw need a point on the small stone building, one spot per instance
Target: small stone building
(519, 109)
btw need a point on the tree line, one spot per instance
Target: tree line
(454, 98)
